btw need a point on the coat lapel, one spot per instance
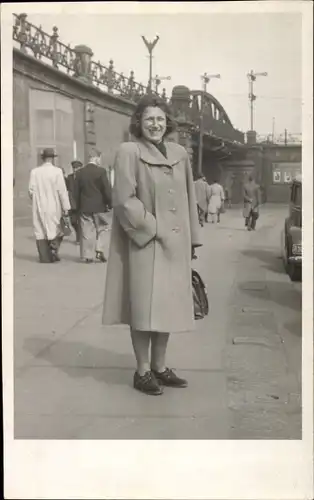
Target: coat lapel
(150, 154)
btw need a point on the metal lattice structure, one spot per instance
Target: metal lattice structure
(281, 139)
(75, 62)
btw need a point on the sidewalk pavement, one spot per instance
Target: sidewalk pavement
(73, 377)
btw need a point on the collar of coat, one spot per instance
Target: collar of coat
(150, 154)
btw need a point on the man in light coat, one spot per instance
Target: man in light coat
(50, 201)
(251, 197)
(93, 196)
(202, 198)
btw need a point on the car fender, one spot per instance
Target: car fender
(295, 234)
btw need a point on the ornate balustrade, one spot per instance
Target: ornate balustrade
(76, 62)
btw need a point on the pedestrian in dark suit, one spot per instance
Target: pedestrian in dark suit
(93, 197)
(70, 183)
(252, 200)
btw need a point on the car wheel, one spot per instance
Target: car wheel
(294, 271)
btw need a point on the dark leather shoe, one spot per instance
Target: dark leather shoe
(147, 384)
(169, 378)
(100, 256)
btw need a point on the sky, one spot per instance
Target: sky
(191, 44)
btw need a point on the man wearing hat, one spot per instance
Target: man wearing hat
(71, 187)
(50, 202)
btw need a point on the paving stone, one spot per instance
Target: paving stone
(109, 392)
(38, 426)
(214, 426)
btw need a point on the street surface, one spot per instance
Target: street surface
(73, 377)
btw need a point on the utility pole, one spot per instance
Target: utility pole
(206, 79)
(273, 131)
(150, 47)
(158, 80)
(252, 78)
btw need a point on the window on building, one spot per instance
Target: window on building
(51, 123)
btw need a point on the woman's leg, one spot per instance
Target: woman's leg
(141, 341)
(164, 375)
(158, 351)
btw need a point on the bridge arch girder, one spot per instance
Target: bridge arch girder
(212, 106)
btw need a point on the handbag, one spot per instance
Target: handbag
(200, 298)
(64, 227)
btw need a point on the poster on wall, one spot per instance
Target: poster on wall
(276, 176)
(288, 177)
(284, 173)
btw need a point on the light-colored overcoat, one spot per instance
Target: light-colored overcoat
(155, 223)
(216, 198)
(48, 192)
(251, 198)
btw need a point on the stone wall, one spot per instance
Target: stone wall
(109, 122)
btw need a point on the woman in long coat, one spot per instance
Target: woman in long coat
(216, 199)
(155, 228)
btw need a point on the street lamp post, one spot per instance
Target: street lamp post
(206, 79)
(150, 47)
(252, 78)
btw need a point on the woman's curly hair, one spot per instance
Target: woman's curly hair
(150, 100)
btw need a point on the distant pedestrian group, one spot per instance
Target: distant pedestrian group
(210, 200)
(80, 200)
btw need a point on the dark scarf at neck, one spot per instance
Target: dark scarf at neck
(161, 147)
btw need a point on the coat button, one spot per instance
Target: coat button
(173, 209)
(176, 229)
(171, 191)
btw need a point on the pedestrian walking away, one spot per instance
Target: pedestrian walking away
(50, 202)
(202, 198)
(228, 197)
(93, 196)
(216, 200)
(70, 183)
(251, 197)
(154, 229)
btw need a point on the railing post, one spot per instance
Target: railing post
(82, 63)
(22, 35)
(54, 46)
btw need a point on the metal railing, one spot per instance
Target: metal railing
(76, 62)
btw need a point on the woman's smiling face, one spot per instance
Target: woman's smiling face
(153, 123)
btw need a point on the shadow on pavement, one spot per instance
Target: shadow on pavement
(294, 327)
(78, 360)
(272, 260)
(281, 293)
(34, 258)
